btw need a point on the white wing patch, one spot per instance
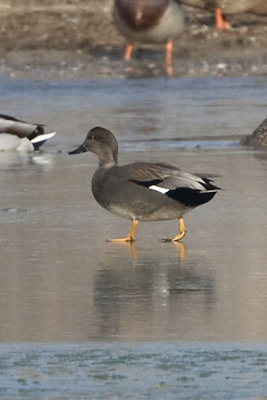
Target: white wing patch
(159, 189)
(42, 138)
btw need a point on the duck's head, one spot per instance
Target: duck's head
(101, 142)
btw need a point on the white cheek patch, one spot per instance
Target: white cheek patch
(159, 189)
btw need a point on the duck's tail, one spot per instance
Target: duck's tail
(39, 136)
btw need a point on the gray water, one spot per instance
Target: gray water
(85, 319)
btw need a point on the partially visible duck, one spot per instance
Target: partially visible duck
(237, 6)
(228, 7)
(149, 21)
(20, 135)
(143, 191)
(210, 5)
(260, 8)
(258, 137)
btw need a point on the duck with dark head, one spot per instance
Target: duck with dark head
(149, 21)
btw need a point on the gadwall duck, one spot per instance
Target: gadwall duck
(149, 21)
(20, 135)
(258, 137)
(142, 191)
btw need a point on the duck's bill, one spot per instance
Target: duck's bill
(80, 149)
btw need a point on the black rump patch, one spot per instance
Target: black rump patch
(190, 197)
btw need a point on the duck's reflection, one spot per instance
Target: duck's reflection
(145, 297)
(130, 246)
(12, 159)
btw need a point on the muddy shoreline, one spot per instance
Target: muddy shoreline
(78, 40)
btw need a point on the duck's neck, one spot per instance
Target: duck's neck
(106, 164)
(107, 157)
(107, 160)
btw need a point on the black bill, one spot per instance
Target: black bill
(80, 149)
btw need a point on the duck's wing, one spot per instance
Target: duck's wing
(13, 119)
(34, 132)
(167, 177)
(184, 187)
(12, 125)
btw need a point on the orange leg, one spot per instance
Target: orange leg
(180, 235)
(128, 52)
(220, 22)
(182, 231)
(130, 237)
(169, 48)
